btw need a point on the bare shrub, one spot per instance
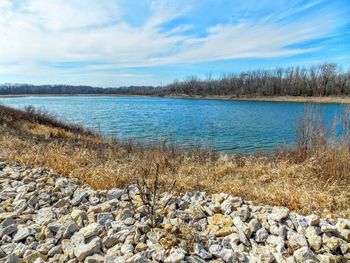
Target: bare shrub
(310, 132)
(150, 186)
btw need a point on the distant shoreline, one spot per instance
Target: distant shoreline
(296, 99)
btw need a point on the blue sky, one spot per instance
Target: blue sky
(152, 42)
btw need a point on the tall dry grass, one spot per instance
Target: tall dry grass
(312, 176)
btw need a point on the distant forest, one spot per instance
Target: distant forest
(24, 89)
(319, 80)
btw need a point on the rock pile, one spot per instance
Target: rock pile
(48, 218)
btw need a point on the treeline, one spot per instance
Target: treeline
(24, 89)
(18, 89)
(319, 80)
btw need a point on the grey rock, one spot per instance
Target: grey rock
(243, 238)
(20, 249)
(115, 193)
(254, 225)
(122, 235)
(104, 219)
(55, 250)
(194, 259)
(8, 230)
(200, 251)
(23, 233)
(61, 203)
(79, 197)
(11, 258)
(45, 247)
(8, 222)
(20, 206)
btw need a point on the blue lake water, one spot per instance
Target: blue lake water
(222, 125)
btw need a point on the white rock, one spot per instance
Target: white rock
(227, 255)
(303, 254)
(313, 238)
(138, 258)
(261, 235)
(159, 255)
(278, 214)
(215, 249)
(44, 216)
(127, 248)
(90, 230)
(267, 257)
(231, 240)
(275, 240)
(83, 250)
(312, 220)
(176, 256)
(96, 258)
(296, 240)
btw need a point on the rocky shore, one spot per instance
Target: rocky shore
(48, 218)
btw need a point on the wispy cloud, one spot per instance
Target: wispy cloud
(36, 35)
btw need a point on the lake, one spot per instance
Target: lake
(222, 125)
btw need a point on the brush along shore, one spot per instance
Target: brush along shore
(46, 217)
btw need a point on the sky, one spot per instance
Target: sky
(110, 43)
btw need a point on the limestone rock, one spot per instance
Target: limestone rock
(176, 256)
(279, 213)
(83, 250)
(304, 254)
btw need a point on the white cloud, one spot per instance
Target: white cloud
(35, 32)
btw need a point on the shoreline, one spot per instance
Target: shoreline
(294, 99)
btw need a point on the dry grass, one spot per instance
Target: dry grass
(304, 180)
